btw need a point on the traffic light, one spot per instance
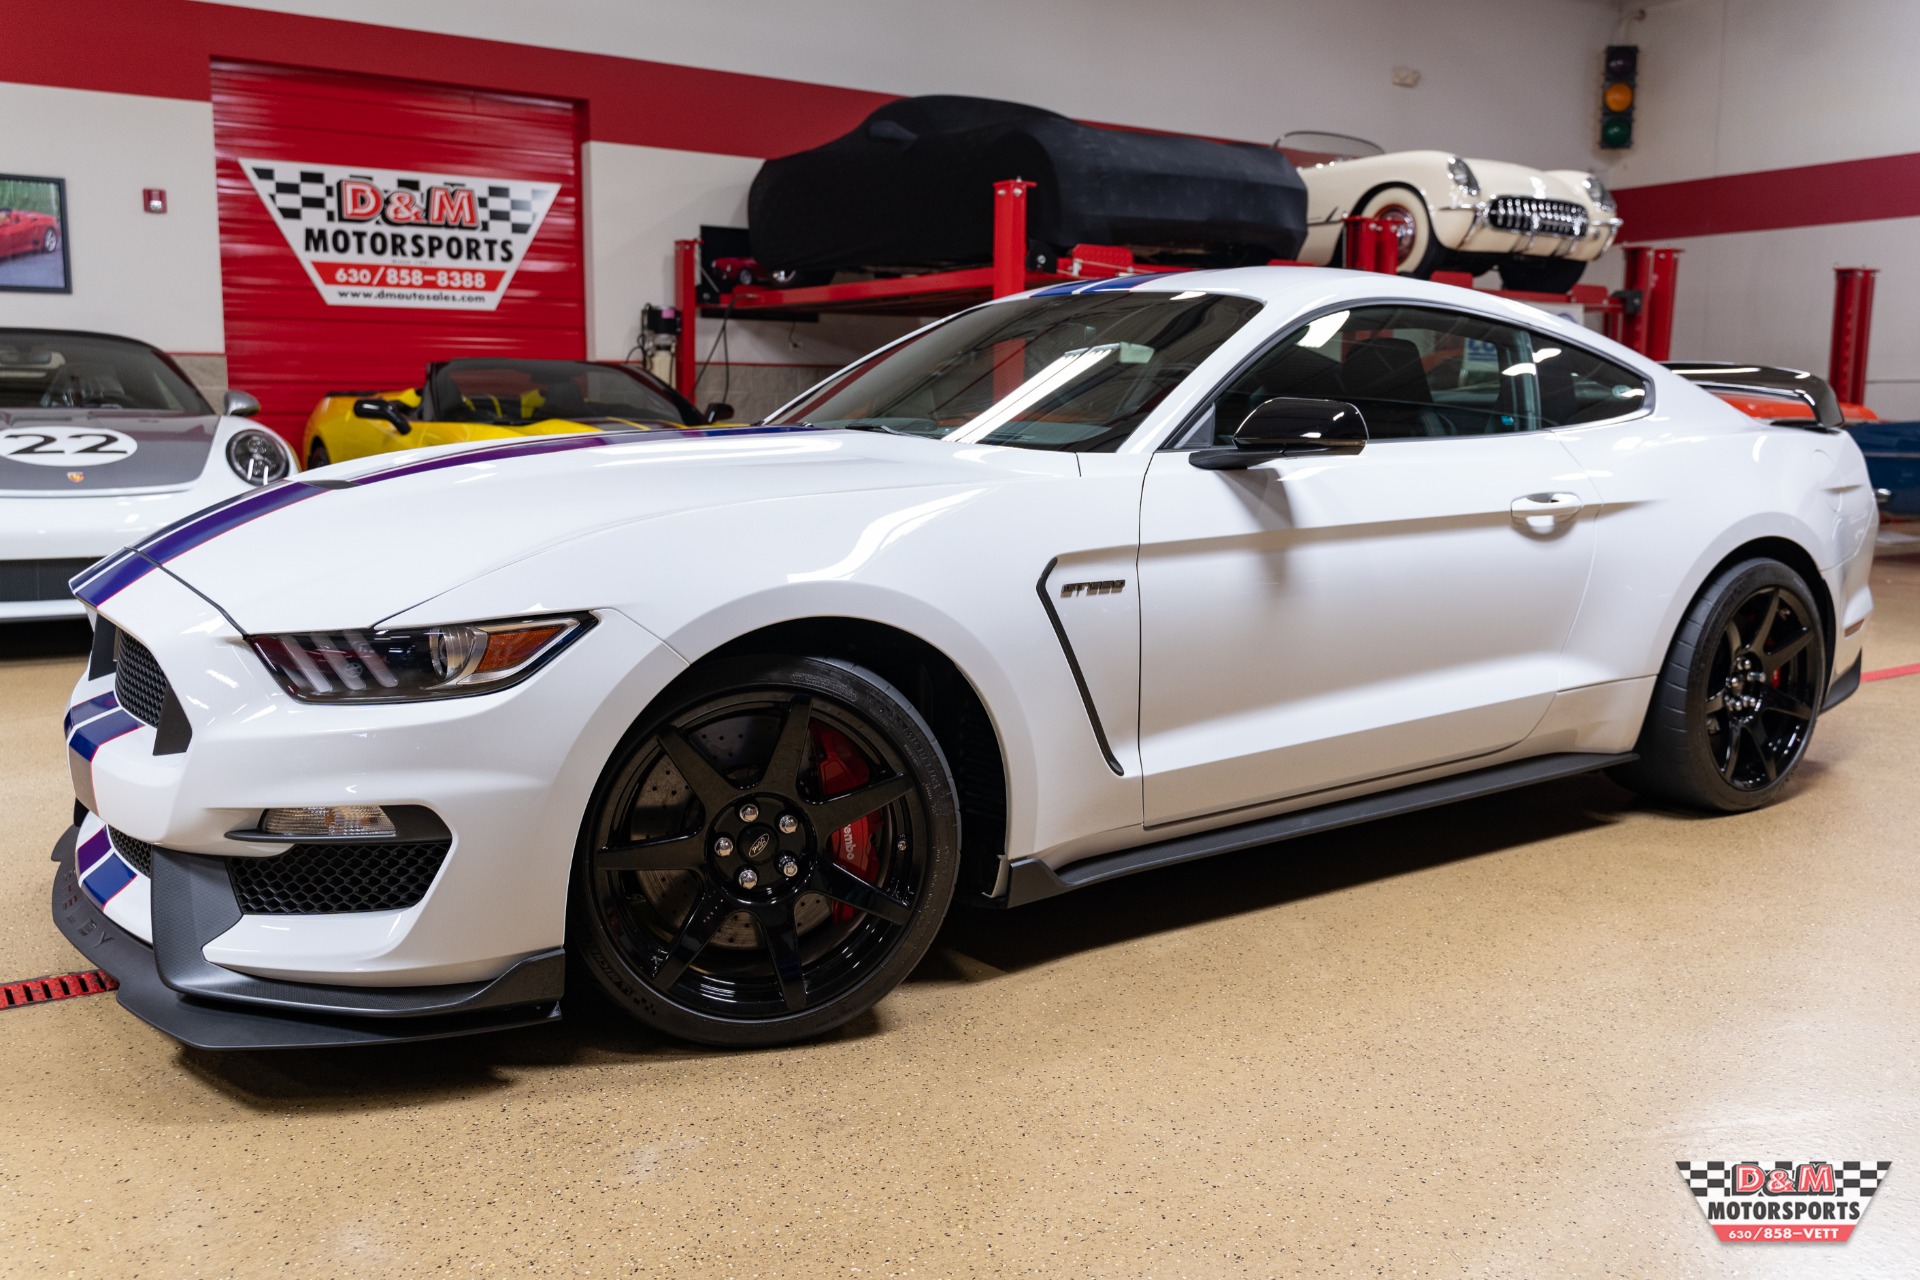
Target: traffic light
(1616, 96)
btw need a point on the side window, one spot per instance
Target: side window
(1414, 372)
(1577, 386)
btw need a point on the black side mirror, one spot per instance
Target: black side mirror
(1286, 427)
(719, 411)
(383, 411)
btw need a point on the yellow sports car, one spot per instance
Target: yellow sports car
(490, 398)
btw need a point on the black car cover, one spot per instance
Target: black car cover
(912, 187)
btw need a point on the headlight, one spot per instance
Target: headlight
(1461, 174)
(257, 457)
(449, 661)
(1598, 193)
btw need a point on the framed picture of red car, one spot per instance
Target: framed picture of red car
(33, 234)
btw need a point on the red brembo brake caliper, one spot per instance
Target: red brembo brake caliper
(842, 769)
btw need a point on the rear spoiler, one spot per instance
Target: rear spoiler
(1771, 383)
(1826, 416)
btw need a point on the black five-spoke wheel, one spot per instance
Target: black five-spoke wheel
(1735, 703)
(1760, 689)
(770, 856)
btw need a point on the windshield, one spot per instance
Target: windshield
(517, 392)
(1072, 372)
(88, 371)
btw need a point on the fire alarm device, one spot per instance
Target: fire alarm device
(154, 199)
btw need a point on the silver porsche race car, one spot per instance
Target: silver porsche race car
(103, 439)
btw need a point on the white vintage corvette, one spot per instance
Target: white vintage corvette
(102, 441)
(1539, 228)
(1069, 586)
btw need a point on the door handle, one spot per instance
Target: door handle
(1552, 506)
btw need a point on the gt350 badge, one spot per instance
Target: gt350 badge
(65, 446)
(1109, 587)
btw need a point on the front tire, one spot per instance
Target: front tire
(768, 853)
(1735, 703)
(50, 242)
(317, 455)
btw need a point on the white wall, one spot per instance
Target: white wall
(1740, 86)
(155, 277)
(1517, 79)
(639, 201)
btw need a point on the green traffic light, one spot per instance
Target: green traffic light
(1616, 132)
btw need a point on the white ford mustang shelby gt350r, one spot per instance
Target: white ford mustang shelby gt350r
(1068, 586)
(102, 441)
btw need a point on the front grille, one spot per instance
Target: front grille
(38, 579)
(138, 682)
(1530, 216)
(322, 879)
(138, 853)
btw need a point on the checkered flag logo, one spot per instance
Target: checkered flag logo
(506, 203)
(386, 238)
(1782, 1201)
(291, 192)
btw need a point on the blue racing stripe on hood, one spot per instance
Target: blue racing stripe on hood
(118, 572)
(111, 577)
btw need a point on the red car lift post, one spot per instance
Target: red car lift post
(1852, 330)
(686, 280)
(1653, 272)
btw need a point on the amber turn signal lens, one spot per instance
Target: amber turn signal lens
(508, 649)
(1618, 96)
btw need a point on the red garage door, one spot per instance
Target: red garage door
(368, 227)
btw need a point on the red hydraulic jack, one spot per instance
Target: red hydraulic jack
(1852, 328)
(1370, 245)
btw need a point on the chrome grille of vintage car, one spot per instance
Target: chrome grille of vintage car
(1529, 215)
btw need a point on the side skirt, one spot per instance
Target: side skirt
(1030, 879)
(1845, 685)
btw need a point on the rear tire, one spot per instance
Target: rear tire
(1735, 703)
(769, 852)
(317, 455)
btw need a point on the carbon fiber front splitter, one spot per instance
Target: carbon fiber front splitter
(271, 1015)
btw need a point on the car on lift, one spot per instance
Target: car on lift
(1073, 585)
(28, 231)
(1539, 228)
(912, 189)
(103, 439)
(497, 398)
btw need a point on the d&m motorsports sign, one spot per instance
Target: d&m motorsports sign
(387, 238)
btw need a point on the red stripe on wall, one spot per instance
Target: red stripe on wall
(165, 48)
(1812, 196)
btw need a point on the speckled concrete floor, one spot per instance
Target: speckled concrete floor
(1468, 1043)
